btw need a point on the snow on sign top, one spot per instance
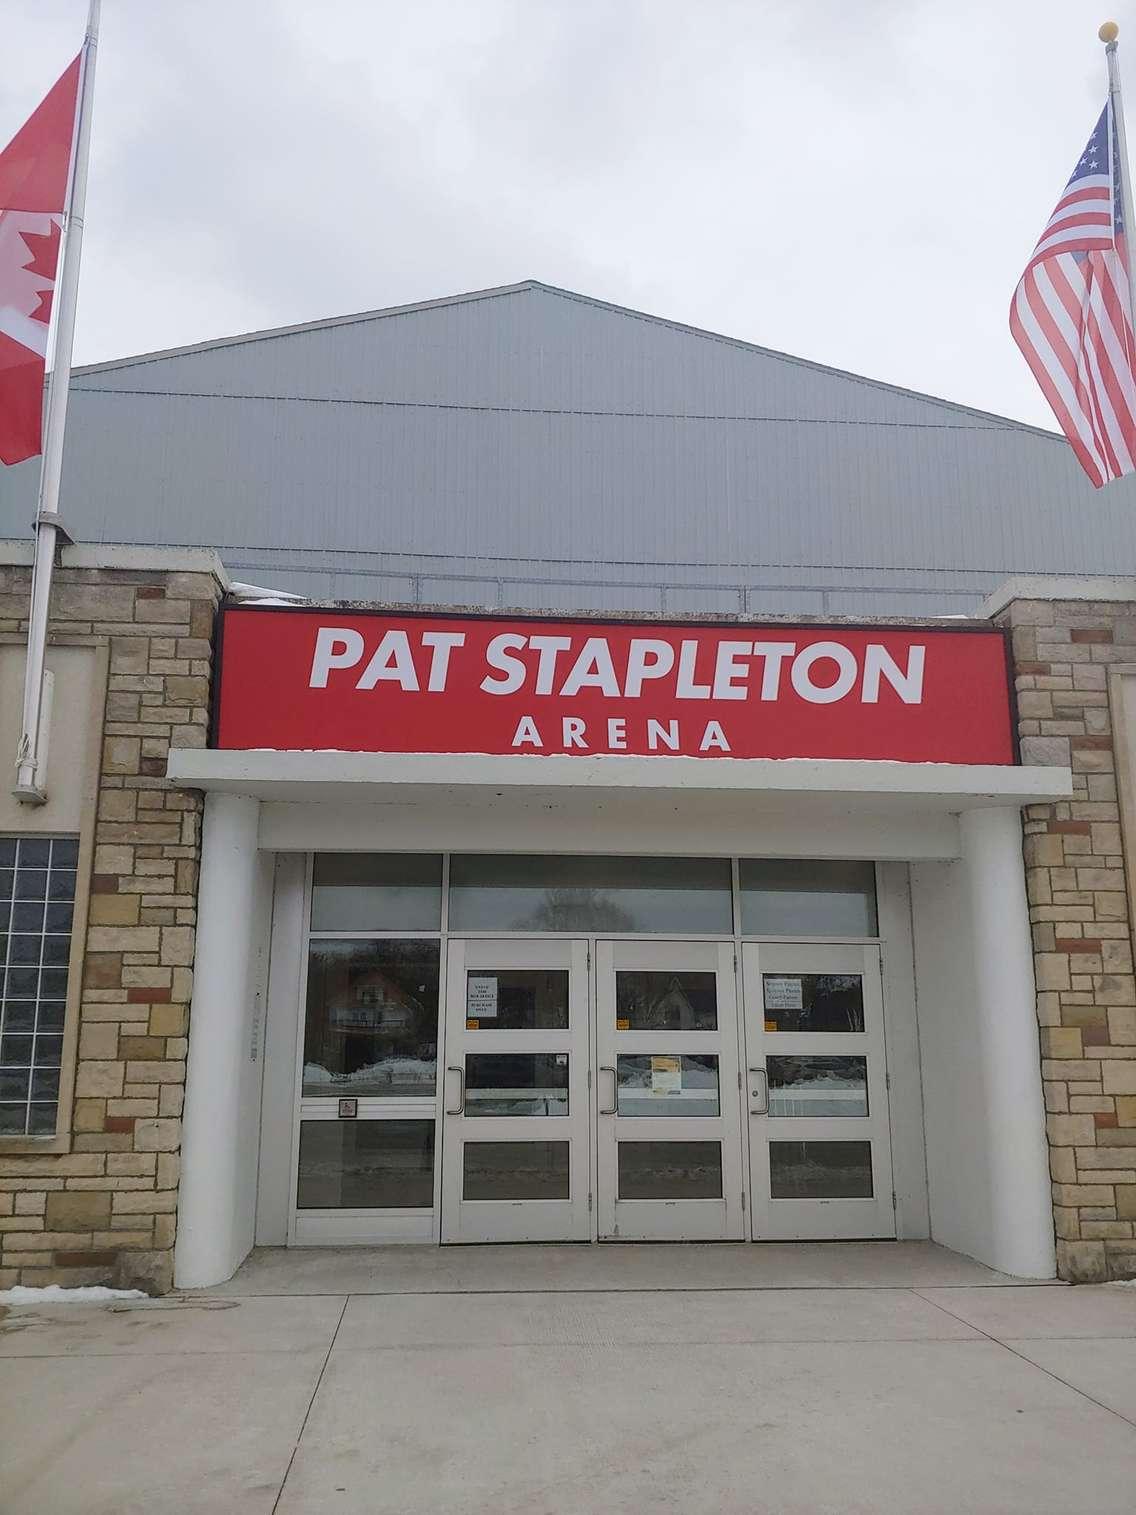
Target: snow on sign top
(316, 680)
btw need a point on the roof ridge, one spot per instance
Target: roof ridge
(999, 422)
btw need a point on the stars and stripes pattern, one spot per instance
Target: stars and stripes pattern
(1071, 314)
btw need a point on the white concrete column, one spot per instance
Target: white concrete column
(208, 1240)
(1010, 1063)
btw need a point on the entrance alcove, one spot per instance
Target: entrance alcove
(926, 1118)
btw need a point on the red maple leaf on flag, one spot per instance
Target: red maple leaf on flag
(44, 248)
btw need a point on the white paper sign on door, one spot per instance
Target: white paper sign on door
(481, 997)
(666, 1075)
(783, 993)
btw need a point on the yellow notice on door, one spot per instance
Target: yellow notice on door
(666, 1075)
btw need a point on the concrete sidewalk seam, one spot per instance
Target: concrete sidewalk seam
(311, 1402)
(1006, 1347)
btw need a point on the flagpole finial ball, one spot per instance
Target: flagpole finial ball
(1109, 32)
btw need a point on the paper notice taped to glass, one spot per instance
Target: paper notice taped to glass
(666, 1075)
(481, 996)
(783, 993)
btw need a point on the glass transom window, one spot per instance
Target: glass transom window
(669, 895)
(807, 897)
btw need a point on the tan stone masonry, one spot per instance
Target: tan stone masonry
(1080, 915)
(104, 1211)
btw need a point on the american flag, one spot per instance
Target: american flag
(1071, 314)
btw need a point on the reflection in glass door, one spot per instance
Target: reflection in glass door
(820, 1148)
(515, 1161)
(669, 1123)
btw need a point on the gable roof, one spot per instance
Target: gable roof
(533, 448)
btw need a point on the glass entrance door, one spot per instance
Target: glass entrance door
(516, 1153)
(669, 1121)
(819, 1139)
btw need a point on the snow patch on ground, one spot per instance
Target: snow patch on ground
(1124, 1283)
(54, 1294)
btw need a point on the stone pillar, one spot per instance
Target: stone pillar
(210, 1235)
(1010, 1056)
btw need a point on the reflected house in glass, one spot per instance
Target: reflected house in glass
(372, 1018)
(660, 1001)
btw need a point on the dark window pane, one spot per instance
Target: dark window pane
(51, 1015)
(366, 1165)
(372, 1018)
(61, 885)
(21, 983)
(13, 1120)
(516, 1083)
(7, 851)
(14, 1083)
(515, 1170)
(45, 1083)
(42, 1119)
(48, 1051)
(23, 949)
(59, 918)
(19, 1015)
(820, 1170)
(670, 1170)
(56, 950)
(7, 882)
(654, 1000)
(376, 891)
(813, 1001)
(31, 884)
(517, 999)
(807, 897)
(27, 916)
(619, 894)
(670, 1084)
(16, 1051)
(53, 983)
(34, 852)
(815, 1086)
(65, 852)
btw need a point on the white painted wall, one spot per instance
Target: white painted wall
(987, 1160)
(281, 1030)
(217, 1196)
(901, 1039)
(958, 1176)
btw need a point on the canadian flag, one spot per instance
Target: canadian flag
(33, 192)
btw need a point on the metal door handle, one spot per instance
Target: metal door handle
(614, 1091)
(461, 1101)
(761, 1073)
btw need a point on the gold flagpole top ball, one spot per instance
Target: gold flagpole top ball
(1109, 32)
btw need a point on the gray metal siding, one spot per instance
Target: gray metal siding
(537, 449)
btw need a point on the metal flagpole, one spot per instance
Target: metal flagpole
(30, 774)
(1108, 35)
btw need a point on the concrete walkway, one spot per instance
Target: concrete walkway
(792, 1380)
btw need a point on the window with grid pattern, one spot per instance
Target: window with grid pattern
(37, 904)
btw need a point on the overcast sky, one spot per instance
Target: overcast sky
(855, 181)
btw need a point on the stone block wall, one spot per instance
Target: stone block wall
(1081, 919)
(105, 1210)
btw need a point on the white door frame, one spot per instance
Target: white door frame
(820, 1219)
(667, 1219)
(493, 1220)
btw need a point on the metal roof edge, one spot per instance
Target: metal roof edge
(496, 292)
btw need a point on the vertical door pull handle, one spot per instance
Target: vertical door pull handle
(763, 1108)
(614, 1110)
(461, 1096)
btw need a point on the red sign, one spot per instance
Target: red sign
(334, 680)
